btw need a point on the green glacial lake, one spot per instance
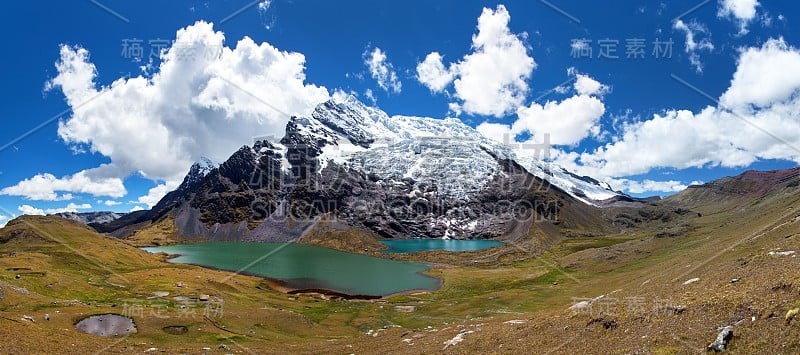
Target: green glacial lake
(308, 267)
(417, 245)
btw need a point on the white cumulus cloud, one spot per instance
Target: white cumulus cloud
(492, 80)
(647, 185)
(586, 85)
(741, 11)
(72, 207)
(382, 70)
(432, 73)
(567, 122)
(766, 75)
(204, 99)
(30, 210)
(46, 187)
(758, 119)
(157, 193)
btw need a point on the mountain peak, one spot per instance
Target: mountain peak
(199, 170)
(350, 118)
(203, 166)
(348, 99)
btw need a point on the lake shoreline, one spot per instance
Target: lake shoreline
(283, 285)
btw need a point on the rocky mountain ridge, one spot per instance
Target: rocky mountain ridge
(91, 217)
(398, 176)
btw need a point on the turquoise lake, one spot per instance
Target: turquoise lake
(308, 267)
(417, 245)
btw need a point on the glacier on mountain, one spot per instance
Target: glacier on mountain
(447, 153)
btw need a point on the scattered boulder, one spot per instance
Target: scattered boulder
(204, 298)
(675, 309)
(582, 305)
(457, 339)
(783, 286)
(782, 253)
(791, 314)
(691, 281)
(608, 324)
(405, 309)
(29, 319)
(723, 338)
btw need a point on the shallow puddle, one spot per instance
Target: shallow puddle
(107, 325)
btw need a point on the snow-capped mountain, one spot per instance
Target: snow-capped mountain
(197, 173)
(398, 176)
(203, 166)
(126, 223)
(199, 170)
(444, 152)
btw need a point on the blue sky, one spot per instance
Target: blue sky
(111, 168)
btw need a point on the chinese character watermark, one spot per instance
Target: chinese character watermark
(138, 50)
(213, 307)
(611, 49)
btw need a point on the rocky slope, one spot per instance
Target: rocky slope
(128, 223)
(746, 190)
(91, 217)
(400, 177)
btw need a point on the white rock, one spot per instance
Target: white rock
(457, 339)
(580, 306)
(515, 321)
(586, 303)
(691, 281)
(782, 253)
